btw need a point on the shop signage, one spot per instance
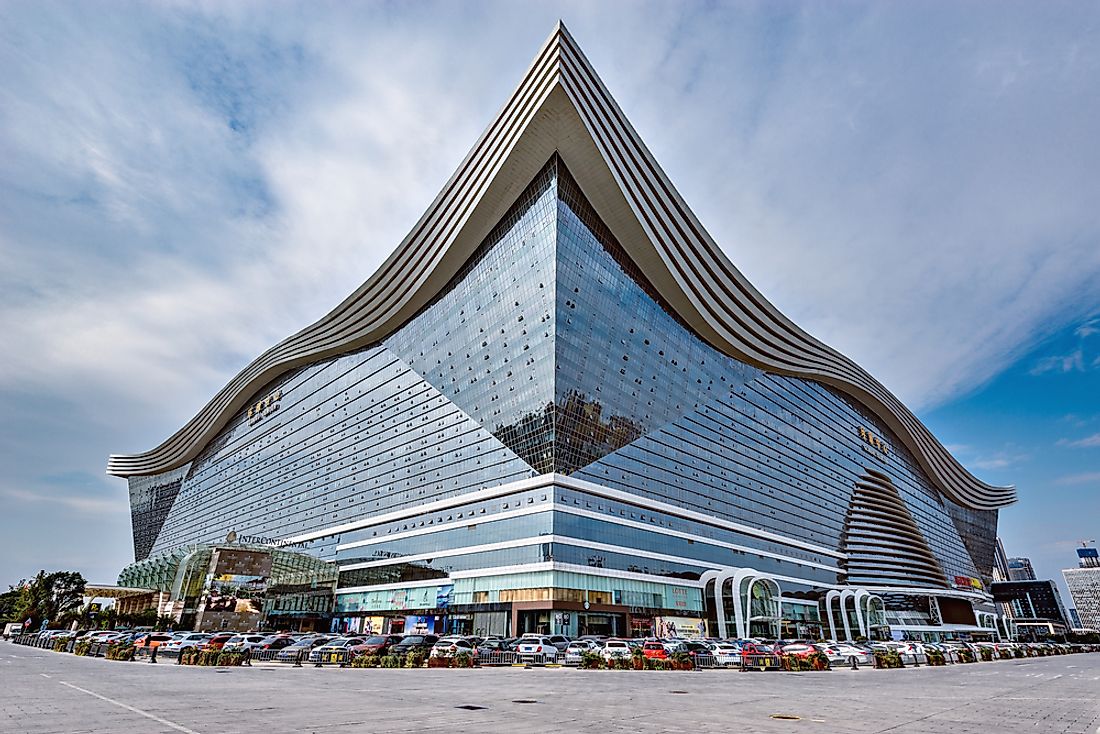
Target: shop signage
(873, 441)
(232, 538)
(968, 582)
(263, 408)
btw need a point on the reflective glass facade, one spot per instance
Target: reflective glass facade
(550, 353)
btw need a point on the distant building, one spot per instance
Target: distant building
(1020, 569)
(1074, 619)
(1035, 607)
(1084, 587)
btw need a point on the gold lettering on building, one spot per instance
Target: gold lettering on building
(263, 408)
(870, 439)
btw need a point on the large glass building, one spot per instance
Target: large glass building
(559, 407)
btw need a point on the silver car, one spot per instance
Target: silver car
(576, 650)
(536, 649)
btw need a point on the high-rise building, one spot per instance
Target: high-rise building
(1034, 606)
(1020, 569)
(559, 407)
(1084, 587)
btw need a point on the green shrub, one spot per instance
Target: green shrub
(415, 659)
(935, 657)
(463, 660)
(592, 661)
(819, 661)
(59, 645)
(365, 661)
(120, 652)
(82, 647)
(391, 661)
(1019, 652)
(887, 659)
(1005, 654)
(189, 656)
(682, 661)
(986, 653)
(966, 656)
(231, 658)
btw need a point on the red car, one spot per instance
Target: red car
(153, 639)
(799, 650)
(655, 650)
(217, 642)
(375, 645)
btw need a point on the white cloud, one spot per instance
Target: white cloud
(1087, 442)
(1083, 478)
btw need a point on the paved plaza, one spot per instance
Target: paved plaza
(43, 692)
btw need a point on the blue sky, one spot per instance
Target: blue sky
(184, 184)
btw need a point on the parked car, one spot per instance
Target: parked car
(725, 653)
(277, 642)
(217, 640)
(559, 641)
(799, 650)
(655, 650)
(616, 649)
(302, 647)
(536, 648)
(340, 644)
(448, 647)
(244, 642)
(412, 642)
(576, 649)
(185, 641)
(376, 645)
(494, 644)
(153, 639)
(841, 654)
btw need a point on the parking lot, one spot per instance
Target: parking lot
(49, 692)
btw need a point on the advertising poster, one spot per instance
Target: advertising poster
(683, 627)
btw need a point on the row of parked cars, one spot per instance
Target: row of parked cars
(314, 647)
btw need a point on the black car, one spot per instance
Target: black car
(409, 643)
(695, 647)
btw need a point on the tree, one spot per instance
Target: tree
(9, 603)
(50, 597)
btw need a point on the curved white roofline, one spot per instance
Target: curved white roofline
(562, 106)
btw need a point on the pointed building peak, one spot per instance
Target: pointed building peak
(562, 105)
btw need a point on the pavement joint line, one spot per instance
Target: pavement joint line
(146, 714)
(45, 676)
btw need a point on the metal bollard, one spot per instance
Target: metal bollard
(247, 657)
(855, 663)
(916, 661)
(298, 660)
(153, 654)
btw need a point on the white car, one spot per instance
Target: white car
(328, 650)
(616, 649)
(536, 648)
(103, 636)
(185, 641)
(577, 648)
(244, 642)
(447, 647)
(725, 653)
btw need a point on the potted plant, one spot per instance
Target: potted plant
(682, 661)
(591, 661)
